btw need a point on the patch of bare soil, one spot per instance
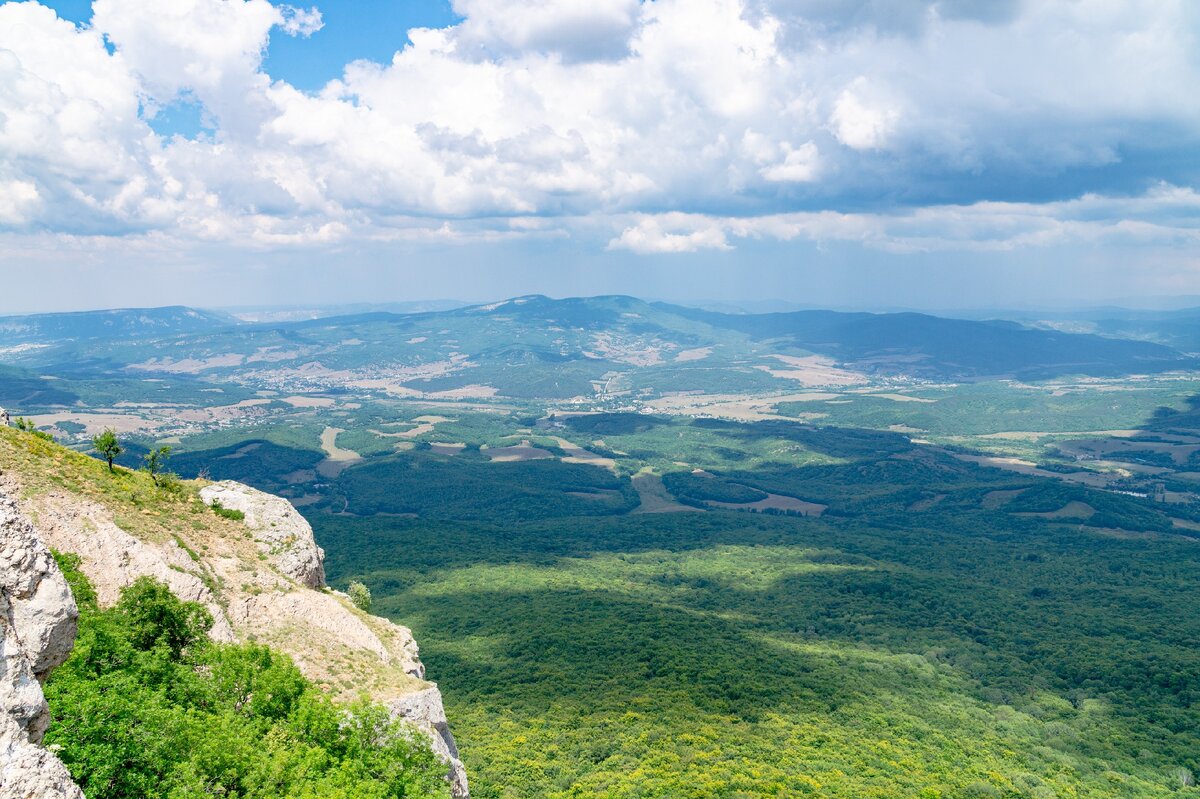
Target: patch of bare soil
(1034, 435)
(96, 422)
(775, 502)
(813, 370)
(739, 407)
(1116, 448)
(894, 397)
(697, 354)
(424, 424)
(336, 458)
(188, 366)
(308, 402)
(473, 391)
(577, 454)
(1093, 479)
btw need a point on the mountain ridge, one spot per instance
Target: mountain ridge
(602, 347)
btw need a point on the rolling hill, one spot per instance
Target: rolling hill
(537, 347)
(120, 323)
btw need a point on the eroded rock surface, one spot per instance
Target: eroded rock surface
(40, 601)
(37, 629)
(424, 710)
(114, 559)
(278, 527)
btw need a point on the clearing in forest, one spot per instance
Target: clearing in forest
(336, 458)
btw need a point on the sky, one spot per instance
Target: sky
(840, 153)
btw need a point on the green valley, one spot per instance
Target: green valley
(749, 569)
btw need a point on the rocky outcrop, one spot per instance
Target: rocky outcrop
(283, 534)
(5, 420)
(37, 629)
(262, 578)
(423, 709)
(113, 558)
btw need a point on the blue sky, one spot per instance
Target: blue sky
(919, 153)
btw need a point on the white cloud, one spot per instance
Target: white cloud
(671, 233)
(577, 30)
(18, 199)
(567, 111)
(800, 165)
(1165, 215)
(859, 123)
(300, 22)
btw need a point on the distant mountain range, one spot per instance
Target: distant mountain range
(535, 346)
(113, 324)
(931, 346)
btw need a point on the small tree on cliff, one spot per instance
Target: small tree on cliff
(155, 460)
(108, 446)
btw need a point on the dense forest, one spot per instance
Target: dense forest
(939, 628)
(944, 630)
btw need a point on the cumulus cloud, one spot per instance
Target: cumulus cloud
(18, 199)
(799, 165)
(859, 123)
(672, 233)
(299, 21)
(708, 121)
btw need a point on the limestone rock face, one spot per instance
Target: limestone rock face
(5, 421)
(114, 559)
(40, 602)
(424, 710)
(278, 527)
(37, 629)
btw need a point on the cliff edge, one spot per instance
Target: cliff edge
(37, 630)
(261, 576)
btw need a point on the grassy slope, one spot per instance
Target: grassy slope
(223, 553)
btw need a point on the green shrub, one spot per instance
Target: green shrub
(147, 706)
(227, 513)
(27, 426)
(360, 595)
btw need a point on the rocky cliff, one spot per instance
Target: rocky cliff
(37, 629)
(261, 576)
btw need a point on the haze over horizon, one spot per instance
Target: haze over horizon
(920, 154)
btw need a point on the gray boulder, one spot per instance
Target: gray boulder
(281, 532)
